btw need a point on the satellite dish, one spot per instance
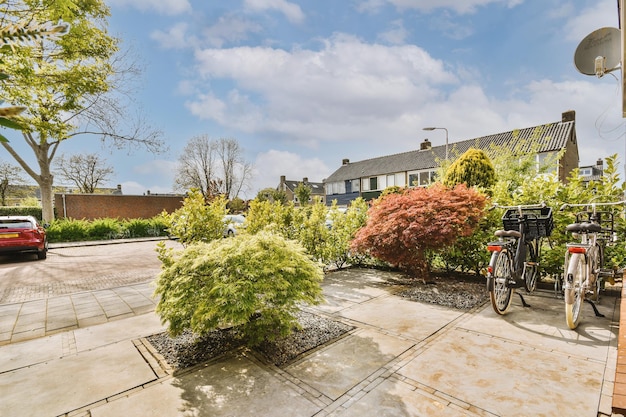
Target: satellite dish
(599, 52)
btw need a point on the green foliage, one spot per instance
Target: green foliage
(236, 205)
(473, 168)
(403, 228)
(395, 189)
(303, 193)
(72, 230)
(34, 211)
(255, 283)
(336, 248)
(272, 195)
(68, 230)
(283, 219)
(197, 221)
(111, 228)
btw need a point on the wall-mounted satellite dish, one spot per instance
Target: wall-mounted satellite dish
(599, 52)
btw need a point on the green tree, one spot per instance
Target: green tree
(473, 168)
(256, 283)
(197, 221)
(70, 86)
(272, 195)
(336, 249)
(303, 193)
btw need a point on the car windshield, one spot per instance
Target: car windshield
(15, 224)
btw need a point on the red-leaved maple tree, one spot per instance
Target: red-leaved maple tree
(402, 228)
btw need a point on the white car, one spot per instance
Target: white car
(232, 223)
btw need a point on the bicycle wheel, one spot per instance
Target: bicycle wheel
(500, 293)
(531, 270)
(574, 289)
(595, 265)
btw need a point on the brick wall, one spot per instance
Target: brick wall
(95, 206)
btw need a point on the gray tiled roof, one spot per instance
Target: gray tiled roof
(552, 137)
(316, 187)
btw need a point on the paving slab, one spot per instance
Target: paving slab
(508, 378)
(394, 398)
(107, 333)
(19, 355)
(335, 370)
(234, 386)
(59, 386)
(543, 326)
(408, 318)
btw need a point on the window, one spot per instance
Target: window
(391, 180)
(413, 179)
(400, 180)
(373, 183)
(424, 178)
(356, 186)
(585, 172)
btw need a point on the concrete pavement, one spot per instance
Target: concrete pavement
(402, 359)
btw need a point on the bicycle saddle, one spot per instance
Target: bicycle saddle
(584, 227)
(508, 233)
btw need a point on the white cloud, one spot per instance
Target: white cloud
(229, 29)
(342, 91)
(460, 7)
(272, 164)
(292, 11)
(396, 35)
(165, 7)
(174, 38)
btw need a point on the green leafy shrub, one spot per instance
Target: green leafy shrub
(136, 227)
(34, 211)
(253, 282)
(106, 228)
(68, 230)
(197, 221)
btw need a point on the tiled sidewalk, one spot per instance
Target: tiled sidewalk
(38, 318)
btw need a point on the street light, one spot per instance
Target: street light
(440, 128)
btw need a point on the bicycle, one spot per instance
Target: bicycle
(584, 261)
(515, 255)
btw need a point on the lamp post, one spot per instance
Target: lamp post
(440, 128)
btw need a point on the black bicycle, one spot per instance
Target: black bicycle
(515, 255)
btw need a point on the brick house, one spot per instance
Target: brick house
(289, 188)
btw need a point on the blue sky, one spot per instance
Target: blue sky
(303, 84)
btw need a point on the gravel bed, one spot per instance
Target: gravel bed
(187, 349)
(460, 292)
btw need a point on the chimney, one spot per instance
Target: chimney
(345, 161)
(424, 146)
(600, 164)
(568, 116)
(305, 180)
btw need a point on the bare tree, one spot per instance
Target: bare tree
(10, 178)
(213, 167)
(86, 171)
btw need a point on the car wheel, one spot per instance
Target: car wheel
(43, 254)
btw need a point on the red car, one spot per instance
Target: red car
(22, 234)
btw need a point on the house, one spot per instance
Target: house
(368, 178)
(289, 187)
(592, 172)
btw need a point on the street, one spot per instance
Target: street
(79, 268)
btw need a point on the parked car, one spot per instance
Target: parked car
(232, 223)
(23, 234)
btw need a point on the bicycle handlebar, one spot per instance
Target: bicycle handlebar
(518, 207)
(593, 205)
